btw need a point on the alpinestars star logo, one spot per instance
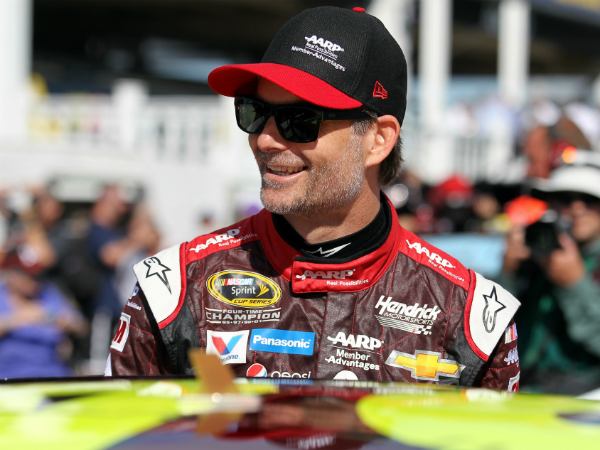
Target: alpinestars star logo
(328, 253)
(155, 267)
(491, 310)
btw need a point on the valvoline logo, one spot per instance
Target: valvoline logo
(282, 341)
(230, 347)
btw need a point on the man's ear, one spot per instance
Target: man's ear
(386, 133)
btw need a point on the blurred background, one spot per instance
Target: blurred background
(106, 119)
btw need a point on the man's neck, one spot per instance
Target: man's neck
(335, 224)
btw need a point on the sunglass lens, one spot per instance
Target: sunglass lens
(298, 124)
(251, 115)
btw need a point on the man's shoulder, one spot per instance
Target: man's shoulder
(427, 255)
(162, 277)
(224, 239)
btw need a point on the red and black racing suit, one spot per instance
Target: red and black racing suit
(405, 312)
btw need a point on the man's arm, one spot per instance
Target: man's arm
(580, 304)
(137, 348)
(502, 371)
(577, 294)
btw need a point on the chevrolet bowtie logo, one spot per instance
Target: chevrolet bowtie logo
(425, 365)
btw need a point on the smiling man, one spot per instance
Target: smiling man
(322, 283)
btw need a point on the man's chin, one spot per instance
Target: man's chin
(276, 201)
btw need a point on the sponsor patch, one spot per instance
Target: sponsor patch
(222, 240)
(282, 341)
(513, 383)
(242, 316)
(415, 318)
(488, 314)
(345, 375)
(354, 350)
(352, 359)
(326, 274)
(229, 346)
(134, 306)
(278, 374)
(158, 269)
(243, 289)
(322, 49)
(425, 365)
(510, 334)
(513, 357)
(355, 341)
(120, 338)
(134, 293)
(160, 278)
(256, 371)
(108, 367)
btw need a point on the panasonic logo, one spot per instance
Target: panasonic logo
(420, 249)
(258, 339)
(216, 240)
(326, 275)
(358, 341)
(324, 43)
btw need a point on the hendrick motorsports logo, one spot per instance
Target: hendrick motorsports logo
(415, 318)
(244, 289)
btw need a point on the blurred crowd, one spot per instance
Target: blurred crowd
(66, 267)
(66, 275)
(550, 221)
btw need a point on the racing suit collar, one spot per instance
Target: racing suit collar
(314, 276)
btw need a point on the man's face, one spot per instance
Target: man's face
(585, 216)
(311, 178)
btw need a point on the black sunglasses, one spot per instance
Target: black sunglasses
(295, 123)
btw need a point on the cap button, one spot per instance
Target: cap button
(358, 9)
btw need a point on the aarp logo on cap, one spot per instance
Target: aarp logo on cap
(282, 341)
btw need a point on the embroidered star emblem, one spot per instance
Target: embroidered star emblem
(155, 267)
(491, 310)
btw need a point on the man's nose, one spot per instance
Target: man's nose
(270, 139)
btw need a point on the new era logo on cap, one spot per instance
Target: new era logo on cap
(379, 91)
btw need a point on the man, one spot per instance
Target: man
(322, 283)
(560, 319)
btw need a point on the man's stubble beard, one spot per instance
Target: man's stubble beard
(330, 187)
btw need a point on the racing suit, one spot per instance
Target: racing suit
(405, 312)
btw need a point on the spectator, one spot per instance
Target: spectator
(559, 320)
(145, 239)
(108, 244)
(35, 319)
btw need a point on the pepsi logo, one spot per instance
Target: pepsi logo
(256, 371)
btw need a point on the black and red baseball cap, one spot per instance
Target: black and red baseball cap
(331, 57)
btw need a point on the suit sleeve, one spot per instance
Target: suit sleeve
(137, 347)
(502, 372)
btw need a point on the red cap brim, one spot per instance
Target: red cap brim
(241, 79)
